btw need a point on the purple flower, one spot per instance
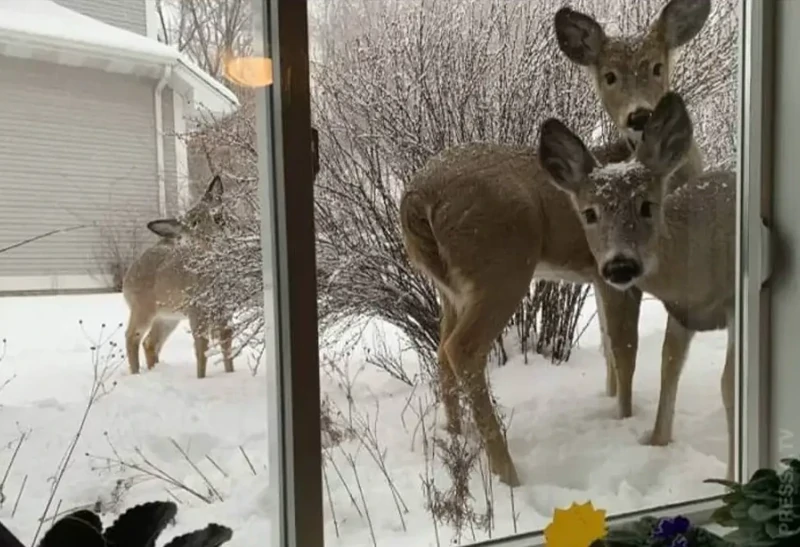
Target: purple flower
(680, 541)
(669, 528)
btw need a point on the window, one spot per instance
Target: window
(283, 207)
(394, 84)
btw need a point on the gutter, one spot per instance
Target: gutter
(104, 51)
(151, 56)
(206, 79)
(159, 114)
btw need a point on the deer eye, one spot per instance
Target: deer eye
(646, 209)
(589, 216)
(657, 68)
(610, 78)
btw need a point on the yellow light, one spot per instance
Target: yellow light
(249, 71)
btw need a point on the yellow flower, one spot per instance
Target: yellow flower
(577, 526)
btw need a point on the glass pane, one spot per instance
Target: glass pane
(133, 318)
(468, 252)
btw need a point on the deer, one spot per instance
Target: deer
(158, 286)
(482, 220)
(629, 76)
(673, 239)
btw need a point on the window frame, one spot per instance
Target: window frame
(289, 262)
(756, 53)
(289, 256)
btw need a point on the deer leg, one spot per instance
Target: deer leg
(611, 369)
(728, 385)
(467, 348)
(448, 382)
(133, 337)
(621, 310)
(154, 341)
(200, 335)
(673, 356)
(225, 336)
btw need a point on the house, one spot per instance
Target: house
(90, 108)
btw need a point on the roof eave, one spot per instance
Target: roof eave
(217, 99)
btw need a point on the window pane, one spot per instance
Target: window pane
(133, 315)
(467, 387)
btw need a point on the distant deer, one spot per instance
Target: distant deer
(158, 287)
(630, 75)
(481, 220)
(678, 245)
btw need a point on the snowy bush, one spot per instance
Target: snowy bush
(396, 81)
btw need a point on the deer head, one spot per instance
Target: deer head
(197, 223)
(620, 205)
(630, 73)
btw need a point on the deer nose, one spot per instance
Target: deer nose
(638, 118)
(621, 270)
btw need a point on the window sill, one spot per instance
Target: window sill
(698, 512)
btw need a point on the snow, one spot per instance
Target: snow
(44, 20)
(47, 19)
(565, 440)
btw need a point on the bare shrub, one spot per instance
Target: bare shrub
(392, 87)
(390, 92)
(121, 244)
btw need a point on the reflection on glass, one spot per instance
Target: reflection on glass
(132, 305)
(445, 417)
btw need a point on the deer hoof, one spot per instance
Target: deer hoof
(506, 472)
(510, 477)
(656, 439)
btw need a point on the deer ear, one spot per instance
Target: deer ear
(667, 137)
(681, 20)
(213, 194)
(579, 36)
(167, 227)
(564, 156)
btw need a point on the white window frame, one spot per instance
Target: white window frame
(287, 216)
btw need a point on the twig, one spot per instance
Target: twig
(10, 464)
(196, 469)
(330, 498)
(97, 386)
(19, 496)
(253, 469)
(224, 474)
(152, 471)
(173, 496)
(427, 481)
(55, 513)
(352, 463)
(42, 236)
(369, 440)
(344, 483)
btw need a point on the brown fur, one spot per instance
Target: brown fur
(157, 288)
(683, 239)
(481, 220)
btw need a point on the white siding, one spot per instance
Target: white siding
(76, 146)
(127, 14)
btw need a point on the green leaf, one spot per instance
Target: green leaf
(731, 497)
(735, 486)
(761, 513)
(739, 510)
(792, 463)
(749, 538)
(763, 474)
(722, 516)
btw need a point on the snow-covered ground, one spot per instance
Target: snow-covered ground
(563, 435)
